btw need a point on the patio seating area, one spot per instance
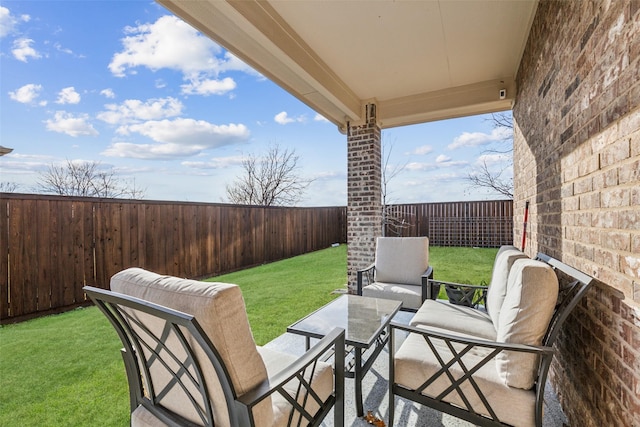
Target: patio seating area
(376, 392)
(190, 356)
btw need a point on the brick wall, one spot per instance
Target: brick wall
(364, 204)
(577, 151)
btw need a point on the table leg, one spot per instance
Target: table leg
(358, 381)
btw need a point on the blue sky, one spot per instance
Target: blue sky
(129, 85)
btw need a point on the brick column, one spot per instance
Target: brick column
(364, 193)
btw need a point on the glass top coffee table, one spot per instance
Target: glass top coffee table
(365, 322)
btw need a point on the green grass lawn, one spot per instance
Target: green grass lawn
(66, 370)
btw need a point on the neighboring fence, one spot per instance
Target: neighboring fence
(483, 224)
(52, 246)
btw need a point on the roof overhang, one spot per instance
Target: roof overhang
(417, 61)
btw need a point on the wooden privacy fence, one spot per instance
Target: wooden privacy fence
(483, 224)
(52, 246)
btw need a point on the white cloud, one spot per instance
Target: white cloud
(167, 43)
(423, 149)
(108, 93)
(151, 151)
(9, 22)
(171, 43)
(209, 87)
(177, 138)
(329, 175)
(68, 95)
(283, 118)
(66, 50)
(419, 166)
(26, 94)
(215, 163)
(134, 110)
(22, 50)
(189, 131)
(72, 125)
(320, 118)
(441, 162)
(474, 139)
(494, 159)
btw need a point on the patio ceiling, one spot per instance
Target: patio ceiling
(417, 60)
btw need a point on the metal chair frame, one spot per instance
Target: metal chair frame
(139, 356)
(569, 296)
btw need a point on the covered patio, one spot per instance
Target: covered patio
(570, 71)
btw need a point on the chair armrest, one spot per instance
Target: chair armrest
(300, 371)
(473, 342)
(369, 273)
(426, 285)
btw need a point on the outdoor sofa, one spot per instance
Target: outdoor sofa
(487, 363)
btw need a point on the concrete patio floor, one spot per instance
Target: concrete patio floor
(375, 393)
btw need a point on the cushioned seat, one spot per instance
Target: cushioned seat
(321, 378)
(457, 318)
(400, 271)
(415, 362)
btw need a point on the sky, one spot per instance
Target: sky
(129, 85)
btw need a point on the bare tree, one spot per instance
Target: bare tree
(390, 219)
(85, 179)
(495, 180)
(9, 187)
(484, 178)
(271, 180)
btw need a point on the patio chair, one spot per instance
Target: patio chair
(490, 382)
(400, 271)
(190, 358)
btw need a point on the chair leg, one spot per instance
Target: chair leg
(392, 408)
(392, 400)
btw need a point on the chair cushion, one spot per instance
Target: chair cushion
(415, 362)
(219, 309)
(321, 381)
(532, 292)
(458, 318)
(409, 295)
(505, 258)
(401, 259)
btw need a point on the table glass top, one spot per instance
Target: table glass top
(362, 318)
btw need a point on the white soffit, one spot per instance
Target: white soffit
(417, 60)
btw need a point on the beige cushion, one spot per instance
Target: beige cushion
(415, 362)
(505, 258)
(220, 311)
(321, 381)
(458, 318)
(409, 295)
(401, 259)
(532, 292)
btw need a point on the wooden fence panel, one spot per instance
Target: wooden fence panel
(4, 259)
(51, 246)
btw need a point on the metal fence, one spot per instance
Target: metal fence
(483, 224)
